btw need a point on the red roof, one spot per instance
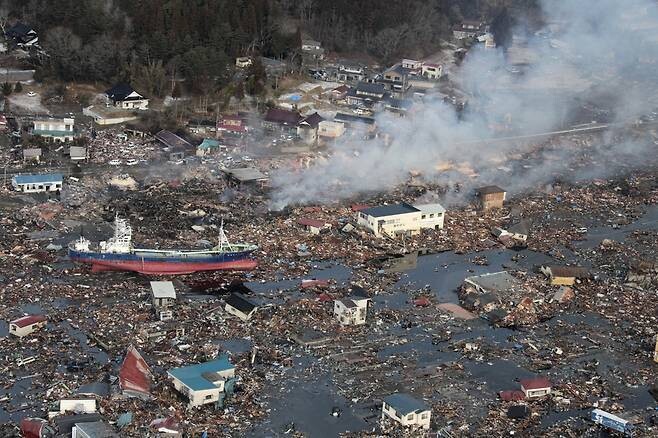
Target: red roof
(232, 123)
(311, 222)
(28, 320)
(325, 298)
(511, 395)
(421, 302)
(313, 283)
(536, 383)
(359, 207)
(32, 427)
(135, 374)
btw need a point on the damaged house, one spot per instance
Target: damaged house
(135, 376)
(564, 275)
(352, 310)
(407, 411)
(240, 306)
(203, 383)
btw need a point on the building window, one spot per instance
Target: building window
(410, 417)
(208, 397)
(423, 216)
(423, 416)
(431, 215)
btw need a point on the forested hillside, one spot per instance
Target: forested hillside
(146, 41)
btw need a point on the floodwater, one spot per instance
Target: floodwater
(305, 397)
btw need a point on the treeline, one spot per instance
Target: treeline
(146, 41)
(389, 28)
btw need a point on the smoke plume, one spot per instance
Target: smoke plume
(594, 60)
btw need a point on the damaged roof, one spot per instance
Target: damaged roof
(494, 282)
(405, 404)
(240, 302)
(487, 190)
(192, 375)
(389, 210)
(135, 375)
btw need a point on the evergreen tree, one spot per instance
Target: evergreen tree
(6, 88)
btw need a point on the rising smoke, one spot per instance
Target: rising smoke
(593, 59)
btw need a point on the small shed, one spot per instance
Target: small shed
(96, 429)
(536, 388)
(245, 176)
(240, 306)
(78, 153)
(27, 324)
(32, 154)
(314, 226)
(163, 294)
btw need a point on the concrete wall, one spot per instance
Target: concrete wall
(399, 223)
(413, 420)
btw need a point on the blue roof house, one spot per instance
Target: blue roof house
(44, 182)
(203, 383)
(407, 410)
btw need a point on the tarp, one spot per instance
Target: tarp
(135, 375)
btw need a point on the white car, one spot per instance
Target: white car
(31, 93)
(247, 158)
(132, 162)
(114, 163)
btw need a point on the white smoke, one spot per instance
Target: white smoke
(593, 58)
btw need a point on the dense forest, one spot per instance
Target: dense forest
(148, 41)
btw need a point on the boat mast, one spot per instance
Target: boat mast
(223, 240)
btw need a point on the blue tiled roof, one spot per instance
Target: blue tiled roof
(389, 210)
(405, 404)
(191, 375)
(39, 178)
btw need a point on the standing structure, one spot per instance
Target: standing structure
(490, 197)
(407, 411)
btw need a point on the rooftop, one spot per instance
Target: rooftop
(39, 178)
(120, 91)
(191, 375)
(97, 429)
(389, 210)
(163, 289)
(495, 281)
(282, 116)
(28, 320)
(240, 302)
(488, 190)
(171, 140)
(405, 404)
(536, 383)
(246, 174)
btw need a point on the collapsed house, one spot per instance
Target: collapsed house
(135, 377)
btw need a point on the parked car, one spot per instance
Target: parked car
(114, 163)
(31, 93)
(132, 162)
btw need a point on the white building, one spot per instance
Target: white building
(94, 429)
(238, 305)
(45, 182)
(536, 388)
(57, 130)
(394, 220)
(163, 293)
(352, 310)
(27, 324)
(432, 71)
(407, 411)
(203, 383)
(330, 129)
(125, 97)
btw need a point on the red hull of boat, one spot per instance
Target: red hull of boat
(168, 268)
